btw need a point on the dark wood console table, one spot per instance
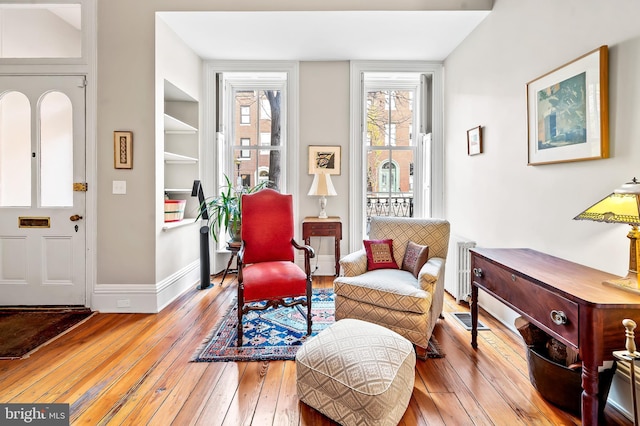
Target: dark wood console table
(329, 227)
(565, 299)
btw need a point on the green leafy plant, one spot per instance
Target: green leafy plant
(225, 209)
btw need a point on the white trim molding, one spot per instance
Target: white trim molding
(145, 298)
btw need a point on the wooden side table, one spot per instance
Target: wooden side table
(234, 249)
(329, 227)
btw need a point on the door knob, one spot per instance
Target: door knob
(75, 218)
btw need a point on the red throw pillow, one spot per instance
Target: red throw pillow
(415, 257)
(379, 254)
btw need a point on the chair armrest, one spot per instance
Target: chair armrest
(354, 264)
(308, 249)
(430, 273)
(308, 254)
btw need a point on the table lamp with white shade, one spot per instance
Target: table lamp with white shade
(322, 187)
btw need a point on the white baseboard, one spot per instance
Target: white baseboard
(144, 298)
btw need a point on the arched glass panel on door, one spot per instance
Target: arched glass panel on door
(15, 150)
(56, 150)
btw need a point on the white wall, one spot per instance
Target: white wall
(324, 120)
(495, 198)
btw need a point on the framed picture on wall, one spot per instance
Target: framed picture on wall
(122, 150)
(474, 141)
(568, 111)
(324, 159)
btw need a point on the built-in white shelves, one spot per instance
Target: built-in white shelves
(181, 150)
(184, 222)
(173, 125)
(173, 158)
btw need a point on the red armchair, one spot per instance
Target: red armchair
(266, 268)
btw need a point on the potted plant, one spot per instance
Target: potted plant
(225, 209)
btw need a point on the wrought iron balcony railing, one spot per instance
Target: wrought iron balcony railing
(400, 206)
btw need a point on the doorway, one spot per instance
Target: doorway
(42, 190)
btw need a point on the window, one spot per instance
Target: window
(245, 153)
(404, 179)
(245, 115)
(389, 148)
(254, 141)
(267, 153)
(56, 150)
(226, 82)
(55, 147)
(15, 150)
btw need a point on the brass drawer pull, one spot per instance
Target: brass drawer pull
(558, 317)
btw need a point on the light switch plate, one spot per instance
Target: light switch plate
(119, 186)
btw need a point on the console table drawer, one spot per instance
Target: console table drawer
(321, 230)
(555, 314)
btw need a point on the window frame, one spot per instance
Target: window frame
(213, 132)
(233, 86)
(433, 145)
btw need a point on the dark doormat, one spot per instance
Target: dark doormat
(464, 318)
(25, 329)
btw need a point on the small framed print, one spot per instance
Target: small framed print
(324, 159)
(474, 141)
(122, 150)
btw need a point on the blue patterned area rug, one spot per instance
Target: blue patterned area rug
(272, 334)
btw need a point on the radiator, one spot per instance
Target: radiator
(458, 276)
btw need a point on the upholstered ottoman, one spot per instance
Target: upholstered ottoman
(357, 373)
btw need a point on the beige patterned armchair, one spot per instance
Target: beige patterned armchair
(395, 298)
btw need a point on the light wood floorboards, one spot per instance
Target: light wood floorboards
(134, 369)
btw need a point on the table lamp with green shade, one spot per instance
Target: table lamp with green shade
(621, 206)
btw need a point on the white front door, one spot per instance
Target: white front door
(42, 209)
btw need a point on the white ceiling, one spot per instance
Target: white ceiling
(324, 36)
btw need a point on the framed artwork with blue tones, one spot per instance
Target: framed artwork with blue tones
(568, 111)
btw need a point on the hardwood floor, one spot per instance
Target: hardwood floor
(134, 369)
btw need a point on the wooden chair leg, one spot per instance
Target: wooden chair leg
(240, 325)
(309, 318)
(240, 306)
(309, 322)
